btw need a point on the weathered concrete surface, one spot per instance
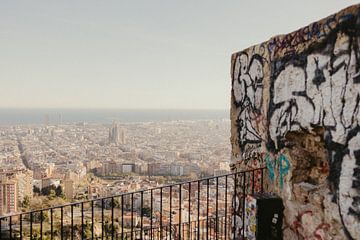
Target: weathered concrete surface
(295, 109)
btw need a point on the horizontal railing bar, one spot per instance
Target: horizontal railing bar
(129, 193)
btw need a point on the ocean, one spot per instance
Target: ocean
(64, 116)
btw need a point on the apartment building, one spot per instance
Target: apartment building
(8, 196)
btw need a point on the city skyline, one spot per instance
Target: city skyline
(113, 121)
(134, 55)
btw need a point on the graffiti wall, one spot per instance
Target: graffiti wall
(295, 110)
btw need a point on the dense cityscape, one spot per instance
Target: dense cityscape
(90, 161)
(47, 165)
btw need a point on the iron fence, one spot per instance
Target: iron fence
(199, 209)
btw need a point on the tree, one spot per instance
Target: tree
(59, 191)
(36, 190)
(109, 228)
(46, 190)
(26, 202)
(52, 194)
(146, 212)
(53, 191)
(40, 216)
(108, 203)
(116, 203)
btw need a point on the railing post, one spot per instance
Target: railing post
(82, 221)
(122, 216)
(92, 219)
(189, 209)
(198, 211)
(161, 230)
(31, 229)
(180, 203)
(20, 227)
(216, 208)
(102, 218)
(243, 204)
(141, 213)
(235, 210)
(61, 223)
(10, 227)
(51, 224)
(112, 218)
(132, 215)
(151, 214)
(41, 224)
(225, 227)
(72, 222)
(207, 207)
(170, 211)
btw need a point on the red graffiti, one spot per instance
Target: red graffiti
(319, 232)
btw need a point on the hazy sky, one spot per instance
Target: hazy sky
(135, 54)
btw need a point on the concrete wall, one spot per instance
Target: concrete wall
(295, 109)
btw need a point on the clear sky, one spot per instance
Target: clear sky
(135, 54)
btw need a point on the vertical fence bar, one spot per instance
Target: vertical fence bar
(51, 223)
(82, 221)
(20, 227)
(225, 226)
(180, 203)
(41, 224)
(61, 223)
(112, 218)
(216, 208)
(122, 216)
(235, 207)
(92, 219)
(207, 207)
(170, 211)
(141, 214)
(243, 203)
(1, 229)
(31, 227)
(102, 218)
(189, 209)
(198, 211)
(72, 222)
(161, 229)
(132, 215)
(151, 214)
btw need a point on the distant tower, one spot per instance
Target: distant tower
(115, 134)
(123, 136)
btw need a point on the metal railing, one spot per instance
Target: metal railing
(199, 209)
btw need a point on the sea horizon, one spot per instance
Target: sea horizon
(53, 116)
